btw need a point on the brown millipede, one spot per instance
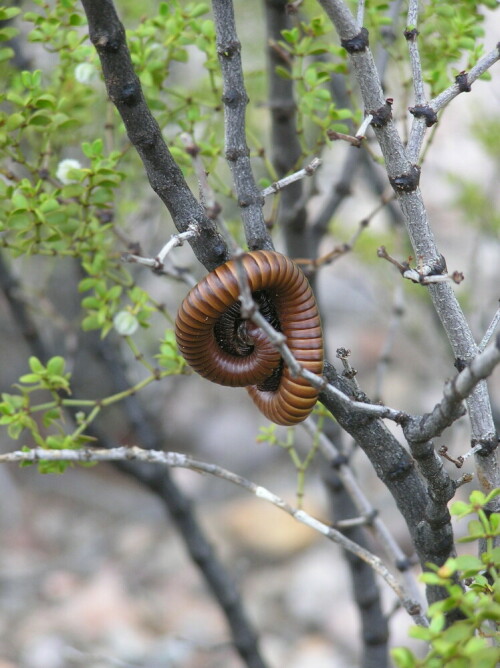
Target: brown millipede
(221, 346)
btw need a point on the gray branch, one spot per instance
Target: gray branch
(235, 100)
(286, 151)
(450, 408)
(404, 178)
(462, 84)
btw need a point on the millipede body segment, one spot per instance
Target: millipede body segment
(219, 345)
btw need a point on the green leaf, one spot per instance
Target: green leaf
(6, 53)
(468, 562)
(19, 202)
(460, 508)
(7, 13)
(8, 32)
(35, 365)
(40, 119)
(403, 658)
(14, 121)
(291, 36)
(86, 284)
(199, 10)
(29, 379)
(91, 322)
(56, 365)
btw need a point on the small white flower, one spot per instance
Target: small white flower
(64, 167)
(85, 73)
(125, 323)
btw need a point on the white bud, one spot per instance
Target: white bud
(64, 167)
(85, 73)
(125, 323)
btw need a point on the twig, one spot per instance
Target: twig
(450, 407)
(490, 331)
(422, 112)
(237, 153)
(207, 195)
(423, 274)
(459, 461)
(360, 134)
(411, 34)
(292, 178)
(350, 372)
(463, 83)
(341, 136)
(157, 263)
(313, 265)
(353, 158)
(360, 16)
(250, 310)
(179, 460)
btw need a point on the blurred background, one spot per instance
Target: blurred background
(92, 571)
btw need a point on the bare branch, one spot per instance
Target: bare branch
(286, 152)
(490, 331)
(341, 136)
(292, 178)
(411, 34)
(404, 178)
(235, 100)
(450, 407)
(423, 274)
(465, 80)
(157, 263)
(463, 83)
(178, 460)
(360, 16)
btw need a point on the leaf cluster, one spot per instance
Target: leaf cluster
(312, 61)
(473, 586)
(451, 39)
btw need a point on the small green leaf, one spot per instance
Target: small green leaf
(460, 508)
(468, 562)
(29, 379)
(35, 365)
(7, 33)
(291, 36)
(56, 365)
(7, 13)
(6, 53)
(403, 658)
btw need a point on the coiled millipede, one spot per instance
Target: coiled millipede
(222, 347)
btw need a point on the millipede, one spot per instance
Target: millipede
(221, 346)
